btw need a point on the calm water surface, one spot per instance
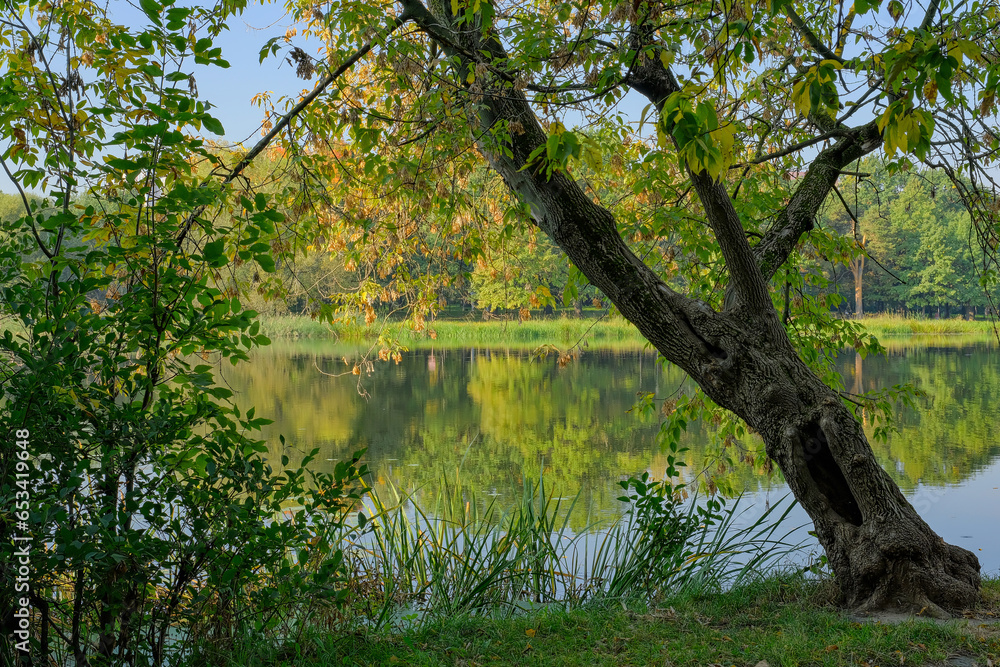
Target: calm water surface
(493, 418)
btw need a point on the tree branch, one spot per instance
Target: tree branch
(932, 9)
(286, 119)
(746, 287)
(793, 149)
(814, 41)
(799, 214)
(27, 209)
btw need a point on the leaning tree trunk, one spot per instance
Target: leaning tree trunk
(884, 556)
(882, 553)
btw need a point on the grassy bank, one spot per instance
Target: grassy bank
(611, 332)
(897, 325)
(781, 620)
(564, 332)
(475, 589)
(607, 332)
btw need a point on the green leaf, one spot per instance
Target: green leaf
(213, 250)
(212, 125)
(862, 7)
(152, 9)
(266, 263)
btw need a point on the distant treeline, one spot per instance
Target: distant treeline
(919, 258)
(920, 248)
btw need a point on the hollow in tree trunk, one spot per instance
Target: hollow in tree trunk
(883, 554)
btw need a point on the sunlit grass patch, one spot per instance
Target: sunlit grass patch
(563, 332)
(889, 324)
(782, 620)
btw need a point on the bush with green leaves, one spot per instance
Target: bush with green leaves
(151, 520)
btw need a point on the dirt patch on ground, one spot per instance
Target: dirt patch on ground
(966, 620)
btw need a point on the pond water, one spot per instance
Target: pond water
(491, 419)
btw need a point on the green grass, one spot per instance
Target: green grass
(783, 620)
(10, 324)
(608, 332)
(298, 326)
(446, 591)
(565, 332)
(561, 331)
(418, 569)
(897, 325)
(459, 558)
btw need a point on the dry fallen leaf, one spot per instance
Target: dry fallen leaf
(530, 632)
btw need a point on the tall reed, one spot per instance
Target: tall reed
(416, 563)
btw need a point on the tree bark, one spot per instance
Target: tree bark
(882, 553)
(859, 307)
(857, 266)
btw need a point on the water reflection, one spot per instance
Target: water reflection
(499, 416)
(949, 435)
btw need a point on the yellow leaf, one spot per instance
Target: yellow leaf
(530, 632)
(883, 120)
(667, 58)
(724, 137)
(986, 106)
(454, 6)
(800, 97)
(891, 140)
(964, 47)
(662, 140)
(590, 154)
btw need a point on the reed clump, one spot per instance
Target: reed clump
(414, 564)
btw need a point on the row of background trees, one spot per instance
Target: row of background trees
(918, 251)
(912, 226)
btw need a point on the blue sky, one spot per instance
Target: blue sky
(230, 90)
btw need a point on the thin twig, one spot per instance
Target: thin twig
(287, 118)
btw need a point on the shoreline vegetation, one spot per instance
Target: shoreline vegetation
(780, 619)
(594, 330)
(669, 583)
